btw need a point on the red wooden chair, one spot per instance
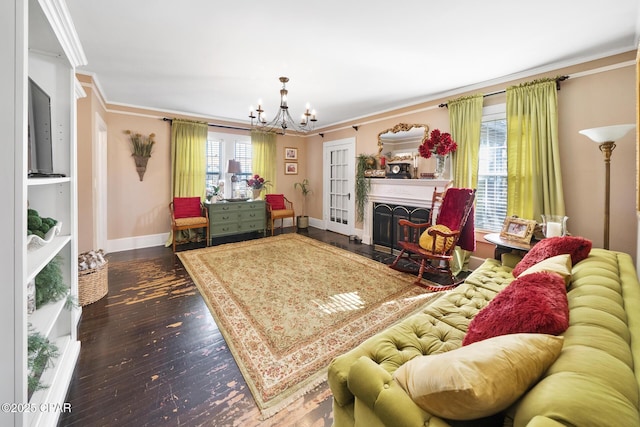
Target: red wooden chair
(278, 207)
(188, 213)
(453, 226)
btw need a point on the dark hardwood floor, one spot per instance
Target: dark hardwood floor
(152, 355)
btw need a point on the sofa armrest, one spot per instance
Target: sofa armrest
(376, 388)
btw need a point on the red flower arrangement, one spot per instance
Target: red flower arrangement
(257, 182)
(438, 143)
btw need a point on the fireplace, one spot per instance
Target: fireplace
(391, 200)
(386, 232)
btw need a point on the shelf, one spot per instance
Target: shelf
(43, 319)
(57, 379)
(41, 38)
(39, 258)
(47, 181)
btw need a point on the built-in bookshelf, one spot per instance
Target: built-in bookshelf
(40, 37)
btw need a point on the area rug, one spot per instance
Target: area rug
(287, 305)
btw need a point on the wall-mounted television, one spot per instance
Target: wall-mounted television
(39, 134)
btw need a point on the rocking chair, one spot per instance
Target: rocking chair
(432, 246)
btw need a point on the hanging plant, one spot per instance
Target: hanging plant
(41, 352)
(363, 184)
(50, 285)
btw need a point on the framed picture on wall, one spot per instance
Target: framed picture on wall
(290, 153)
(290, 168)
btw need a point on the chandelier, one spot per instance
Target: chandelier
(282, 120)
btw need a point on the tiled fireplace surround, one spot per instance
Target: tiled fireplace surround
(409, 192)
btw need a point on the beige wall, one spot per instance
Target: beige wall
(585, 100)
(88, 107)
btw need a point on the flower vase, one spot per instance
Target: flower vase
(440, 165)
(256, 193)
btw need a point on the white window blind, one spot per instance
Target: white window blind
(213, 164)
(243, 155)
(491, 196)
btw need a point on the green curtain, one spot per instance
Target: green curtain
(188, 158)
(465, 121)
(264, 156)
(534, 179)
(465, 118)
(188, 165)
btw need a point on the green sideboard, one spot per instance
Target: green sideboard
(228, 218)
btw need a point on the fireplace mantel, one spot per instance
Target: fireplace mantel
(409, 192)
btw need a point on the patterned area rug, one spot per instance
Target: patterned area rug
(286, 305)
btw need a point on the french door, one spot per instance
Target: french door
(339, 179)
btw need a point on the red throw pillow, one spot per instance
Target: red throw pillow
(577, 247)
(276, 201)
(534, 303)
(186, 207)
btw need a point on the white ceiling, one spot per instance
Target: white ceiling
(347, 58)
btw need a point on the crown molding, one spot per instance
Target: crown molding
(59, 18)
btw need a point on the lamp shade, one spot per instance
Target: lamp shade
(234, 167)
(607, 133)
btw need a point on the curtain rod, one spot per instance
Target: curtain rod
(558, 80)
(166, 119)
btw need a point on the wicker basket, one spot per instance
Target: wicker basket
(93, 284)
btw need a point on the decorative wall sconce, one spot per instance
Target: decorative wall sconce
(141, 148)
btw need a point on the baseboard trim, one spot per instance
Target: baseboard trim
(137, 242)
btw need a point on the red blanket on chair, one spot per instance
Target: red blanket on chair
(452, 212)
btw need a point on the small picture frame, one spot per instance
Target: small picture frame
(518, 229)
(290, 153)
(290, 168)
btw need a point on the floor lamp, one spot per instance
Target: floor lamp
(606, 137)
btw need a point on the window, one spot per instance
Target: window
(219, 150)
(243, 155)
(491, 196)
(242, 151)
(213, 164)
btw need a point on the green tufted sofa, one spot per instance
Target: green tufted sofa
(592, 383)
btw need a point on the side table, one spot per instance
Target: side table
(506, 246)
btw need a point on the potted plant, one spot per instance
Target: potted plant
(212, 193)
(257, 184)
(303, 220)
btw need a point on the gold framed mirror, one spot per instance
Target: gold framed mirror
(400, 143)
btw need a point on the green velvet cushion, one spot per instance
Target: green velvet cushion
(592, 383)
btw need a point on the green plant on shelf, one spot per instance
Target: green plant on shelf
(38, 225)
(50, 285)
(41, 352)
